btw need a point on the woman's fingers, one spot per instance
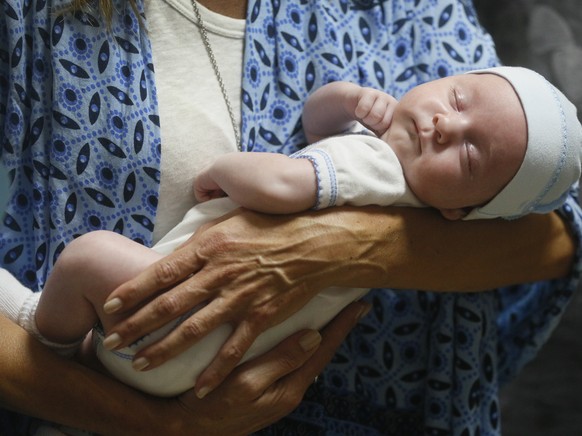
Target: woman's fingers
(177, 302)
(181, 274)
(240, 273)
(229, 356)
(253, 378)
(332, 336)
(267, 388)
(335, 333)
(162, 275)
(241, 404)
(190, 331)
(247, 323)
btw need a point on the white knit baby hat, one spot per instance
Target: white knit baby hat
(554, 149)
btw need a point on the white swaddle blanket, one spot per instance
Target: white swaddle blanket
(179, 374)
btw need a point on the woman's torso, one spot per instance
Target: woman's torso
(195, 125)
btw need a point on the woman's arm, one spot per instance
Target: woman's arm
(37, 382)
(256, 270)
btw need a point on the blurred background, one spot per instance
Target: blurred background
(544, 35)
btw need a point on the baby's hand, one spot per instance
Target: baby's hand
(205, 188)
(375, 109)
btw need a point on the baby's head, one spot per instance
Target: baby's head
(552, 161)
(499, 142)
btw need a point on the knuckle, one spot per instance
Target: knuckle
(167, 305)
(158, 353)
(218, 242)
(166, 272)
(376, 115)
(230, 272)
(233, 354)
(191, 330)
(203, 227)
(247, 384)
(132, 291)
(130, 326)
(288, 361)
(230, 402)
(260, 319)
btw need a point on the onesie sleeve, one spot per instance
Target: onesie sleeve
(357, 170)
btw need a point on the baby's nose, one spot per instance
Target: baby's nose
(448, 128)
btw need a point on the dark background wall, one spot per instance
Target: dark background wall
(545, 35)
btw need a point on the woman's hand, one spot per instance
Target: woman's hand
(251, 270)
(263, 390)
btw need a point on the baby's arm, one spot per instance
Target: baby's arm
(264, 182)
(333, 109)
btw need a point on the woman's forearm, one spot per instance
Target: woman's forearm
(37, 382)
(418, 249)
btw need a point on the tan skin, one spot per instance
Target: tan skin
(234, 9)
(398, 244)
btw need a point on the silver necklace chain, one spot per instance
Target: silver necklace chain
(206, 41)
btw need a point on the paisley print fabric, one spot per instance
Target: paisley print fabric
(80, 137)
(79, 130)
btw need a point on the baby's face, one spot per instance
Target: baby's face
(459, 139)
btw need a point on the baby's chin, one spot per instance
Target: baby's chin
(405, 144)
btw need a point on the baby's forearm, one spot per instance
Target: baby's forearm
(266, 182)
(330, 110)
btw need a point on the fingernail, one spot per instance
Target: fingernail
(112, 305)
(310, 340)
(202, 392)
(140, 363)
(364, 311)
(112, 341)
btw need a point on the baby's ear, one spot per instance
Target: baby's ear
(454, 214)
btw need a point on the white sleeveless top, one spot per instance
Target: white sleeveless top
(195, 125)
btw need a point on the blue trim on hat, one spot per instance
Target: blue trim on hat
(538, 206)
